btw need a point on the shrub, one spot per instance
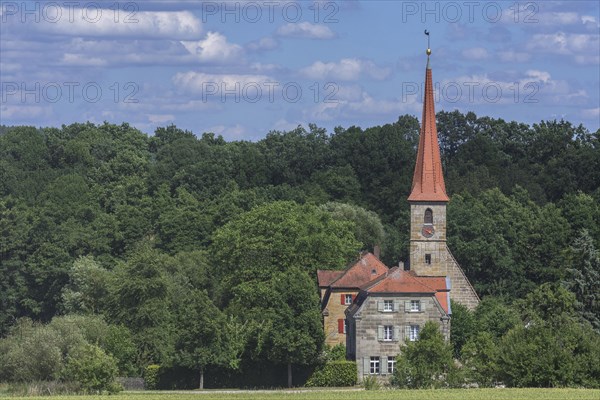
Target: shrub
(371, 383)
(334, 373)
(151, 375)
(93, 369)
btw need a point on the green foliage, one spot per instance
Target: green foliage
(368, 228)
(151, 376)
(334, 374)
(550, 349)
(426, 362)
(462, 326)
(335, 353)
(480, 359)
(87, 288)
(278, 236)
(583, 276)
(92, 368)
(371, 383)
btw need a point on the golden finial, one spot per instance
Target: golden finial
(428, 43)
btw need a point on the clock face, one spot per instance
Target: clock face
(428, 231)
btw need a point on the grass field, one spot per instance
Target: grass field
(466, 394)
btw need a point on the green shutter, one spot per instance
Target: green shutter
(396, 333)
(397, 304)
(380, 332)
(407, 333)
(383, 366)
(366, 365)
(424, 305)
(380, 305)
(407, 306)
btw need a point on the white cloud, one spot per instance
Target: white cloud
(179, 25)
(24, 112)
(81, 60)
(591, 113)
(223, 86)
(511, 56)
(347, 69)
(160, 118)
(582, 48)
(263, 44)
(475, 53)
(306, 30)
(214, 48)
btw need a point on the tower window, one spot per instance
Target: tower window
(428, 259)
(428, 216)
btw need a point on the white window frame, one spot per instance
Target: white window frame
(388, 333)
(374, 366)
(415, 306)
(414, 333)
(346, 297)
(391, 365)
(388, 306)
(345, 326)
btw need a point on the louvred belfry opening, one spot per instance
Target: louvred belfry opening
(428, 179)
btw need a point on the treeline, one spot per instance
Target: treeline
(186, 242)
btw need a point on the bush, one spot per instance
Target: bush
(334, 373)
(371, 383)
(425, 363)
(151, 376)
(93, 369)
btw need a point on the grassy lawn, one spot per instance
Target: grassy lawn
(470, 394)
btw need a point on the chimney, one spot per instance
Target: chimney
(376, 251)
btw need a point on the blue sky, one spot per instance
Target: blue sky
(242, 68)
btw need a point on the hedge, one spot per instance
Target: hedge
(334, 373)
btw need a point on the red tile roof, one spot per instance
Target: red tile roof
(326, 277)
(399, 281)
(428, 179)
(367, 268)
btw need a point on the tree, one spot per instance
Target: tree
(425, 363)
(92, 368)
(201, 333)
(285, 308)
(368, 228)
(583, 276)
(277, 236)
(462, 328)
(87, 288)
(479, 356)
(139, 298)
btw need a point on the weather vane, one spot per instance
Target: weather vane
(428, 43)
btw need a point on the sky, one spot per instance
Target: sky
(242, 68)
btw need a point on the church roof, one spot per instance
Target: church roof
(367, 268)
(428, 179)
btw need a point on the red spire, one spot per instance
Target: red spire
(428, 180)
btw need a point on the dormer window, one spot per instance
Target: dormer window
(428, 217)
(373, 272)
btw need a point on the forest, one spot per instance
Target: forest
(181, 257)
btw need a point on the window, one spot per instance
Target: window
(428, 216)
(415, 305)
(388, 305)
(388, 333)
(374, 368)
(347, 299)
(428, 259)
(391, 365)
(414, 333)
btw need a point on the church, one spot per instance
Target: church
(374, 310)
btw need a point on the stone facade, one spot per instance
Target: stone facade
(367, 322)
(334, 312)
(430, 256)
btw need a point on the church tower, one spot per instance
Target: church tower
(429, 253)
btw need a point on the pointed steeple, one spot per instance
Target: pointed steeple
(428, 179)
